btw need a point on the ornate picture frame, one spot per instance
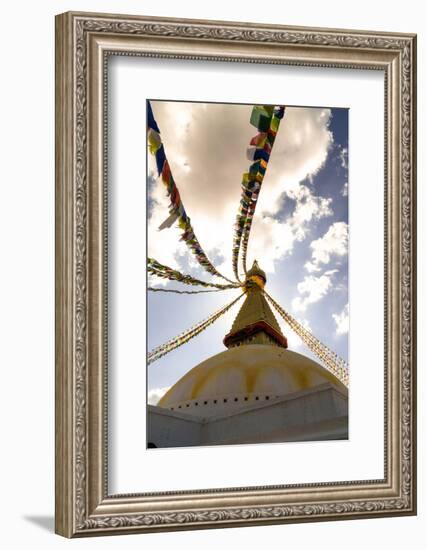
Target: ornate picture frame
(84, 42)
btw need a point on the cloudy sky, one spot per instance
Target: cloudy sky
(299, 235)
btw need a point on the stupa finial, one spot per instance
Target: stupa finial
(255, 323)
(256, 275)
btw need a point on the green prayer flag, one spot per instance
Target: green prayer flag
(260, 118)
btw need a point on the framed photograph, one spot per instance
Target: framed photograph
(259, 378)
(235, 274)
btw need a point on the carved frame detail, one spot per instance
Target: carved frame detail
(83, 43)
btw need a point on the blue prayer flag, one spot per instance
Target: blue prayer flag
(160, 159)
(261, 154)
(150, 118)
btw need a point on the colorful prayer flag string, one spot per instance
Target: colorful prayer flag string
(266, 118)
(183, 338)
(165, 272)
(158, 289)
(330, 360)
(177, 211)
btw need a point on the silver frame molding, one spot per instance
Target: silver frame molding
(83, 43)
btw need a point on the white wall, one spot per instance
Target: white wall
(27, 268)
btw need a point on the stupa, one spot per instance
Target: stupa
(256, 391)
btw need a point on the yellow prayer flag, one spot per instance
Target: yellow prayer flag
(154, 141)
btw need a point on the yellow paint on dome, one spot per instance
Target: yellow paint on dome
(252, 374)
(200, 382)
(301, 379)
(248, 370)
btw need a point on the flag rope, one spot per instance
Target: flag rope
(330, 360)
(184, 337)
(158, 289)
(165, 272)
(177, 211)
(266, 119)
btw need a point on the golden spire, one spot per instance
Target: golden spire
(255, 323)
(255, 276)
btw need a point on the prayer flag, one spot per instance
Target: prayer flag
(160, 159)
(154, 141)
(169, 221)
(261, 154)
(150, 118)
(250, 153)
(260, 118)
(274, 124)
(259, 139)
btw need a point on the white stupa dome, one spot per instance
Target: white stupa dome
(244, 375)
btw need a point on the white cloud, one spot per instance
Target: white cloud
(206, 148)
(344, 157)
(333, 243)
(308, 207)
(341, 321)
(312, 289)
(269, 241)
(155, 394)
(344, 190)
